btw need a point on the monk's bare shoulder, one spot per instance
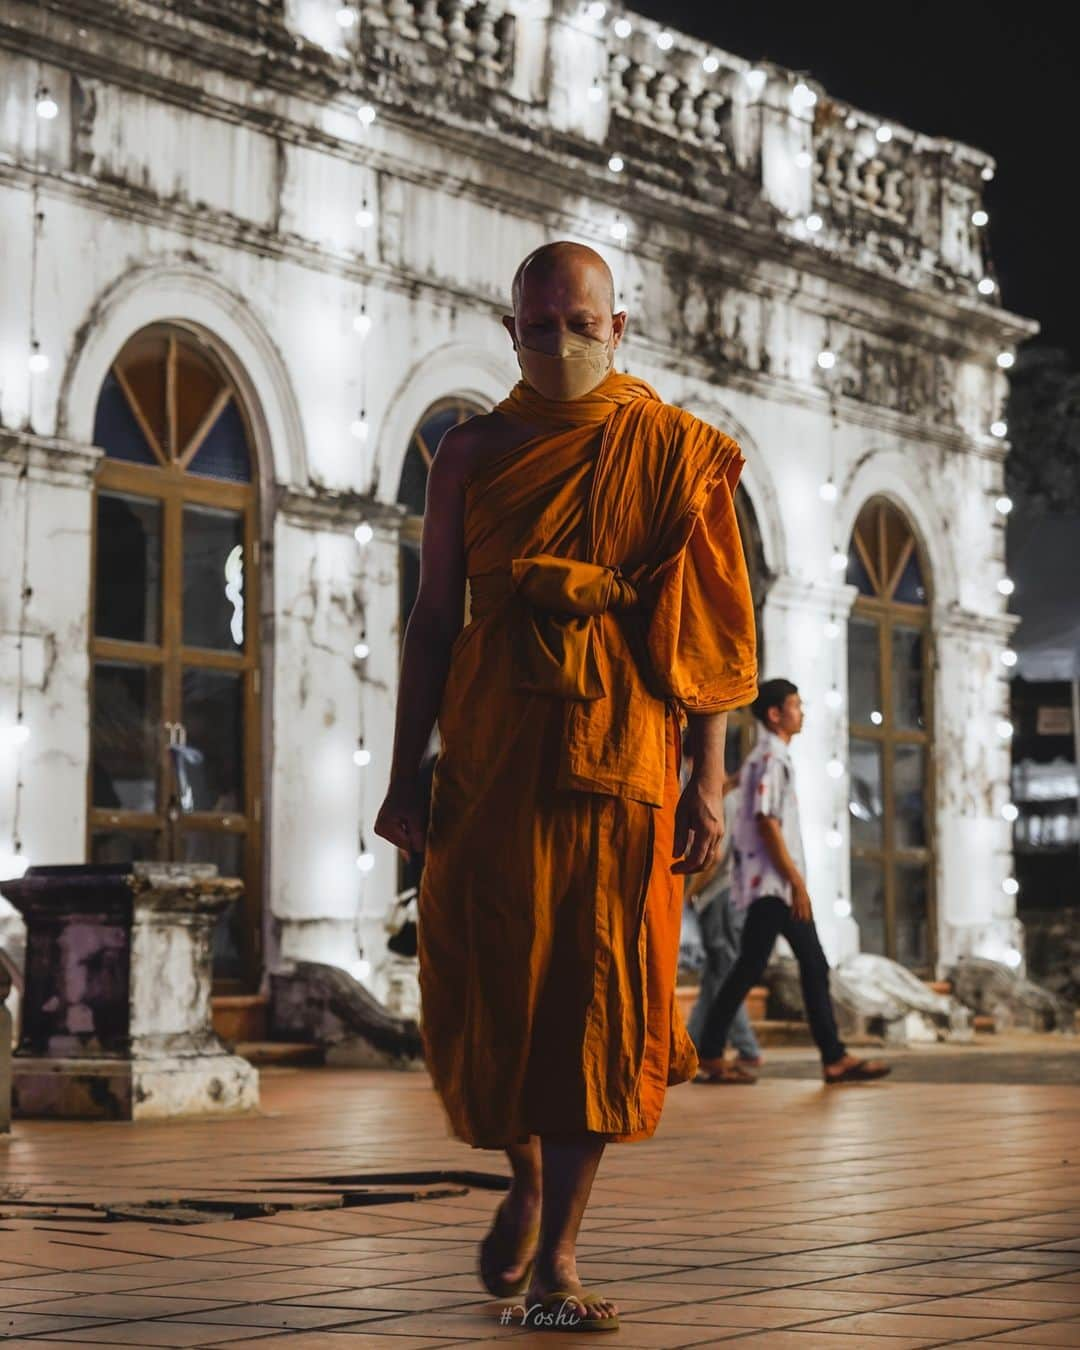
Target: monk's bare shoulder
(466, 447)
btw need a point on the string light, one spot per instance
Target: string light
(366, 114)
(839, 561)
(664, 40)
(842, 908)
(826, 359)
(365, 860)
(596, 10)
(616, 164)
(619, 229)
(346, 16)
(363, 534)
(1012, 957)
(14, 736)
(831, 629)
(1003, 505)
(38, 361)
(361, 650)
(876, 718)
(1009, 657)
(362, 322)
(827, 491)
(1010, 886)
(835, 768)
(1010, 812)
(834, 699)
(1005, 729)
(365, 217)
(883, 134)
(987, 174)
(802, 96)
(833, 837)
(986, 287)
(1006, 586)
(45, 105)
(622, 28)
(804, 159)
(361, 757)
(998, 428)
(756, 80)
(1006, 360)
(359, 426)
(710, 64)
(595, 92)
(814, 222)
(979, 218)
(13, 865)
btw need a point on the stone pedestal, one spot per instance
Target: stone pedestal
(116, 1005)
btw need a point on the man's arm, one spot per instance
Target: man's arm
(700, 812)
(773, 839)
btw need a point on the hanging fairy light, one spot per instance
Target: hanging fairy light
(616, 164)
(839, 561)
(365, 859)
(361, 650)
(664, 40)
(804, 159)
(1005, 729)
(38, 362)
(833, 837)
(828, 491)
(756, 79)
(622, 28)
(15, 736)
(710, 64)
(999, 428)
(1006, 360)
(814, 222)
(831, 629)
(979, 218)
(1010, 812)
(346, 16)
(619, 230)
(826, 359)
(365, 217)
(986, 286)
(1010, 886)
(596, 10)
(596, 93)
(834, 699)
(876, 717)
(13, 864)
(1009, 657)
(366, 114)
(1006, 586)
(987, 174)
(362, 322)
(1003, 505)
(883, 134)
(802, 97)
(363, 534)
(361, 756)
(45, 105)
(359, 427)
(835, 768)
(842, 908)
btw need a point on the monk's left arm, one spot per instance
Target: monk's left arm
(706, 737)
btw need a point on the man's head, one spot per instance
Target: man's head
(778, 707)
(563, 289)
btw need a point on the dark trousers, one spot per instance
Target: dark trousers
(766, 919)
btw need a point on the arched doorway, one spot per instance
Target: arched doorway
(741, 724)
(889, 713)
(175, 745)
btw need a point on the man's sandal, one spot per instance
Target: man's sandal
(728, 1073)
(491, 1266)
(555, 1312)
(862, 1071)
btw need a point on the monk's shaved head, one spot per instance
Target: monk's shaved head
(562, 259)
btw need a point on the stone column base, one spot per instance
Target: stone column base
(117, 1089)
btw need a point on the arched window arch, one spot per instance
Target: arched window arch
(742, 730)
(889, 708)
(175, 745)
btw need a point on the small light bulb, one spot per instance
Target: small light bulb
(1009, 657)
(1010, 886)
(15, 735)
(804, 159)
(362, 323)
(1010, 811)
(616, 164)
(884, 134)
(979, 218)
(366, 861)
(834, 768)
(1006, 360)
(1003, 505)
(1006, 586)
(622, 28)
(842, 908)
(998, 428)
(710, 64)
(596, 94)
(833, 838)
(363, 534)
(987, 174)
(839, 561)
(851, 121)
(12, 865)
(1005, 729)
(619, 230)
(876, 718)
(826, 359)
(361, 650)
(346, 16)
(986, 286)
(46, 106)
(365, 218)
(827, 491)
(664, 40)
(1011, 957)
(596, 10)
(361, 757)
(756, 79)
(834, 700)
(803, 95)
(831, 629)
(359, 428)
(814, 222)
(38, 362)
(366, 114)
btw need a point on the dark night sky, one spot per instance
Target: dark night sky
(999, 76)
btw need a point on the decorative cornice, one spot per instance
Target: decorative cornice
(320, 508)
(48, 459)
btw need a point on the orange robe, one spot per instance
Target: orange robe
(609, 594)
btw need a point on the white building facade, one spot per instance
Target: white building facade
(254, 256)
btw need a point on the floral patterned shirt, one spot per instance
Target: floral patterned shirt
(766, 788)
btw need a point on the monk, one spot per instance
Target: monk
(610, 608)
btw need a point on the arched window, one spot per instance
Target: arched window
(889, 695)
(742, 729)
(174, 639)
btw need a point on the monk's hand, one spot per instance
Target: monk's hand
(401, 816)
(699, 827)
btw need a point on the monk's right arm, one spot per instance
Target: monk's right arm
(437, 615)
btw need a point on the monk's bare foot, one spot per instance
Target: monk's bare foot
(517, 1226)
(558, 1274)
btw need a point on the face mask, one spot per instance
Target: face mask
(577, 367)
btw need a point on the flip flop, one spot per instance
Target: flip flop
(732, 1073)
(490, 1267)
(862, 1071)
(552, 1313)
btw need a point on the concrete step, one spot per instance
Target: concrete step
(292, 1053)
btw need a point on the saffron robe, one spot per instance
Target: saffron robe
(609, 595)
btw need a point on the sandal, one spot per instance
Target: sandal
(552, 1313)
(862, 1071)
(728, 1073)
(490, 1268)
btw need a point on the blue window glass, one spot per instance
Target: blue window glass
(224, 453)
(115, 427)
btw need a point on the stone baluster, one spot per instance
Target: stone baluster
(708, 128)
(373, 14)
(892, 198)
(833, 171)
(487, 42)
(457, 30)
(401, 15)
(638, 102)
(663, 114)
(431, 24)
(871, 186)
(853, 179)
(617, 95)
(686, 116)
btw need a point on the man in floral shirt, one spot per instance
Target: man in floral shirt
(770, 886)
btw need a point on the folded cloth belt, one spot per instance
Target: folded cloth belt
(557, 604)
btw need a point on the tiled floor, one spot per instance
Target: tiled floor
(895, 1214)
